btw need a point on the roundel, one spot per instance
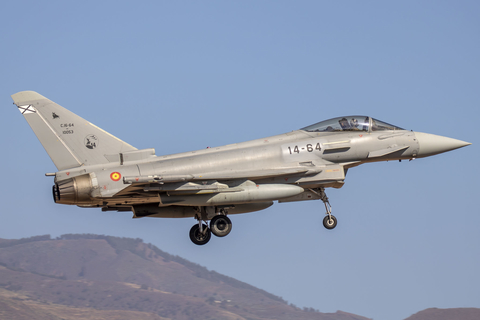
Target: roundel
(115, 176)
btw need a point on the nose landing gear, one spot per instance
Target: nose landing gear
(329, 222)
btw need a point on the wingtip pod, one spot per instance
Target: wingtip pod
(24, 97)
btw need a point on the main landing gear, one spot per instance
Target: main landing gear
(329, 221)
(200, 234)
(220, 226)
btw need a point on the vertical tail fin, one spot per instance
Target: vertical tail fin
(69, 140)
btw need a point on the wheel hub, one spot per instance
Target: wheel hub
(221, 225)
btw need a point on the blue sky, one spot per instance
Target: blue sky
(180, 76)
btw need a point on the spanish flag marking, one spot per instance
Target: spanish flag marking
(115, 176)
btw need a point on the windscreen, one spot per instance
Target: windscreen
(378, 125)
(350, 123)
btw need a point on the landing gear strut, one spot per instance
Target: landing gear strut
(329, 221)
(220, 225)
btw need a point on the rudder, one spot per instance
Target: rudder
(69, 140)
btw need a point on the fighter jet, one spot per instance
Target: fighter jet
(98, 170)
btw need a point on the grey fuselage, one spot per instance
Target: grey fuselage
(97, 169)
(303, 159)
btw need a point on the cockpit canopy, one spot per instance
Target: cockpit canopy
(351, 123)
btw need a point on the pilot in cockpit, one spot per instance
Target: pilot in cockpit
(344, 124)
(354, 124)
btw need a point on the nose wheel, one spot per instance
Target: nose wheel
(329, 222)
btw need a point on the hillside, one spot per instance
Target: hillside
(103, 277)
(447, 314)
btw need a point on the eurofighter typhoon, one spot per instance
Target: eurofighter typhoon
(98, 170)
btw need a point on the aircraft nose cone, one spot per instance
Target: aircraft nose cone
(431, 144)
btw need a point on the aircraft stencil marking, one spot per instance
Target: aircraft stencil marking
(214, 183)
(309, 148)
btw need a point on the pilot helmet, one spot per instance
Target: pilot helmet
(354, 123)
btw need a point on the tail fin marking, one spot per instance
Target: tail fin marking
(69, 140)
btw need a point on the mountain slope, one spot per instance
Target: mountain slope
(19, 307)
(101, 277)
(447, 314)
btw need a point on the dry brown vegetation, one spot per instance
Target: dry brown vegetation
(102, 277)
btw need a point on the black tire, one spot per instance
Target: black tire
(329, 224)
(220, 225)
(199, 238)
